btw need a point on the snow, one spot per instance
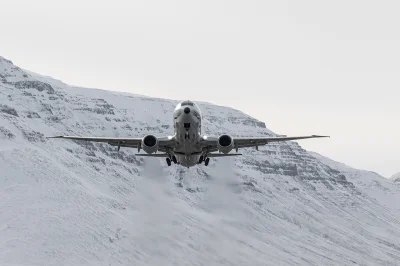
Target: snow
(395, 177)
(69, 203)
(370, 183)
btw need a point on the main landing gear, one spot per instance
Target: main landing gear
(206, 161)
(173, 159)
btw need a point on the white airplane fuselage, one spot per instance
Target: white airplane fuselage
(187, 131)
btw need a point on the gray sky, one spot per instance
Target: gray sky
(303, 67)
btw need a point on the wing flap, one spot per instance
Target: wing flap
(100, 139)
(152, 155)
(121, 142)
(223, 155)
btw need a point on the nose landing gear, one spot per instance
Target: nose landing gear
(206, 161)
(168, 161)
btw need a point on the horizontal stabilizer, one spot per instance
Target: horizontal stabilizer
(222, 154)
(209, 155)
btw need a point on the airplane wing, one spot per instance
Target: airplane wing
(252, 142)
(211, 142)
(120, 142)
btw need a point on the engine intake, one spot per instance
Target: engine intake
(150, 144)
(225, 143)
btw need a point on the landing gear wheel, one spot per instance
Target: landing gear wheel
(168, 161)
(201, 159)
(206, 161)
(174, 159)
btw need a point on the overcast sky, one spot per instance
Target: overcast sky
(302, 67)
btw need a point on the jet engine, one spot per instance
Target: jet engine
(150, 144)
(225, 143)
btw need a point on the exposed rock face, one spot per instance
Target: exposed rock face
(34, 84)
(74, 203)
(8, 110)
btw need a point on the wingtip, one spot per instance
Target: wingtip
(319, 136)
(55, 137)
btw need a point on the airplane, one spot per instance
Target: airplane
(188, 147)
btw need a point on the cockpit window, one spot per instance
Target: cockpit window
(187, 103)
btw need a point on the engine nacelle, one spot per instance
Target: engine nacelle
(225, 143)
(150, 144)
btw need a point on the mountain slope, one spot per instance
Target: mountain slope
(70, 203)
(370, 183)
(396, 178)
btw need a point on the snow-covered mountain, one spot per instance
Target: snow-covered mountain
(395, 178)
(370, 183)
(70, 203)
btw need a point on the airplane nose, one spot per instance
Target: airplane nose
(186, 110)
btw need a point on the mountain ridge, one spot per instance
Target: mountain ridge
(69, 203)
(395, 177)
